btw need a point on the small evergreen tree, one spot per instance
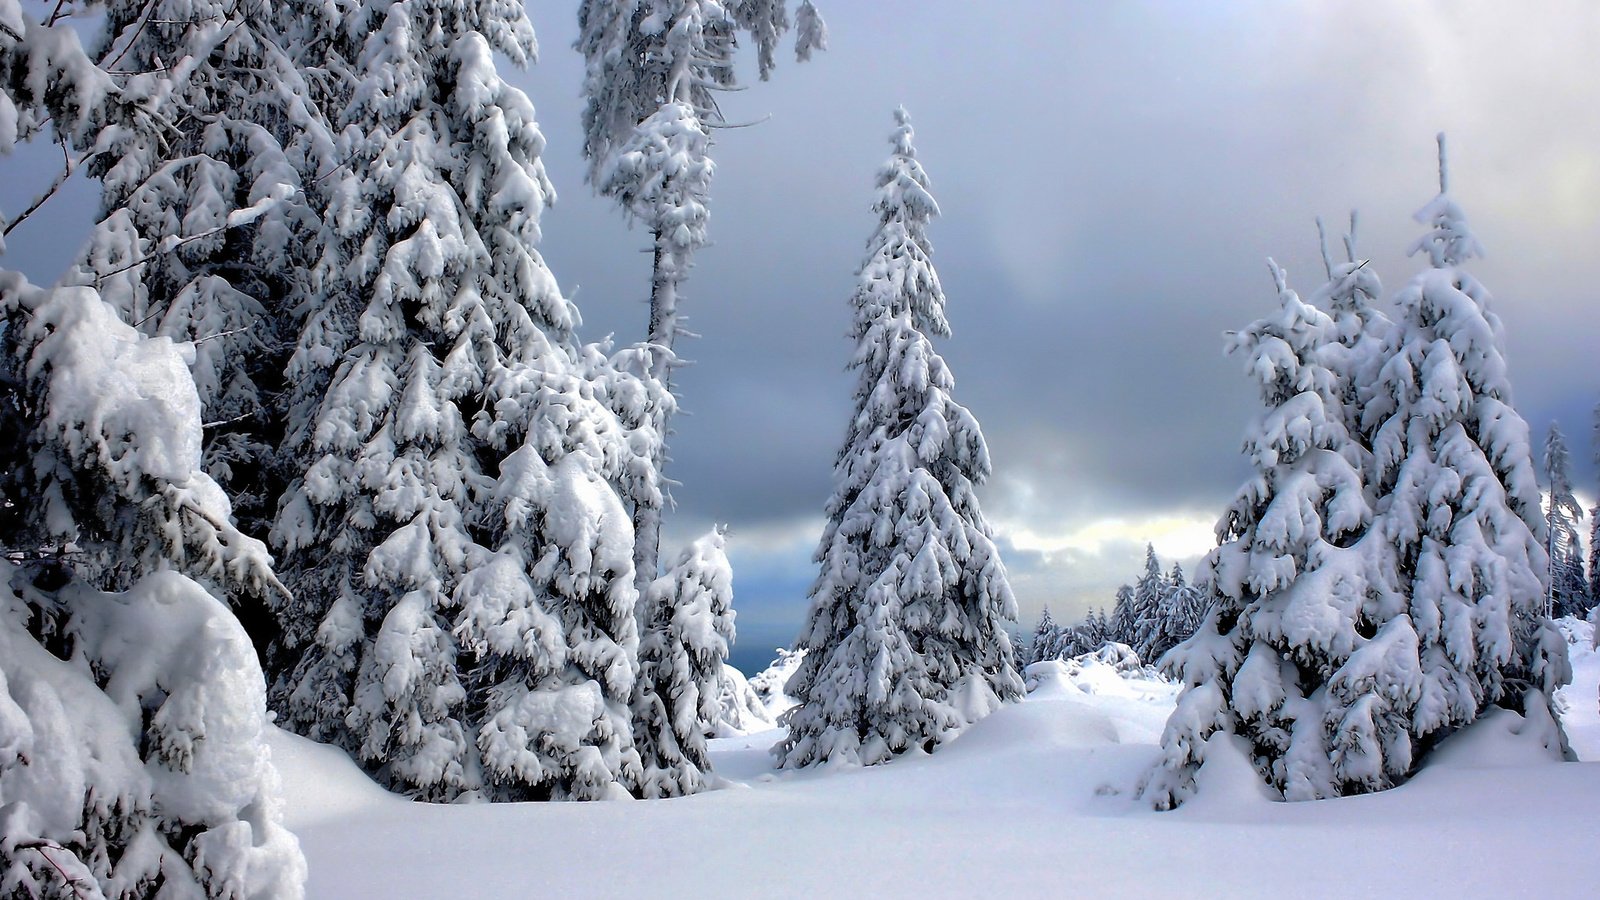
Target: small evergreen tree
(1045, 635)
(1594, 527)
(1568, 593)
(1124, 618)
(688, 628)
(905, 638)
(1186, 606)
(1148, 612)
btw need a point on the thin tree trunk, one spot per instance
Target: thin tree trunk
(665, 276)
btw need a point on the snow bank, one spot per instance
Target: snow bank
(1032, 801)
(139, 760)
(740, 709)
(1578, 704)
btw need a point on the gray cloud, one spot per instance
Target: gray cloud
(1112, 178)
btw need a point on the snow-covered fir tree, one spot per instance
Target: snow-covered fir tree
(1460, 504)
(1568, 589)
(1594, 527)
(131, 725)
(1292, 576)
(1178, 616)
(1121, 623)
(1360, 616)
(1045, 635)
(209, 225)
(687, 629)
(1184, 609)
(1147, 612)
(654, 68)
(905, 637)
(464, 616)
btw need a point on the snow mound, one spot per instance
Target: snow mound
(741, 710)
(1113, 670)
(771, 684)
(993, 813)
(1578, 704)
(136, 760)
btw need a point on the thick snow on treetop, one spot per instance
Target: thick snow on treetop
(1035, 800)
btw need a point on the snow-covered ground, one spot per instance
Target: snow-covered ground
(1034, 801)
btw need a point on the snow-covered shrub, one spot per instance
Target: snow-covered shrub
(106, 432)
(740, 709)
(772, 683)
(132, 753)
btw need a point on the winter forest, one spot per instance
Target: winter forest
(519, 449)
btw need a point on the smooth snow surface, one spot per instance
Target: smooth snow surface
(1033, 801)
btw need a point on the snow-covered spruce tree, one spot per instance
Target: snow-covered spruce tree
(1185, 606)
(1568, 590)
(1148, 608)
(905, 638)
(653, 70)
(1176, 619)
(1089, 635)
(210, 224)
(1426, 618)
(1594, 527)
(687, 628)
(1295, 590)
(131, 762)
(1460, 500)
(462, 566)
(1045, 635)
(1120, 625)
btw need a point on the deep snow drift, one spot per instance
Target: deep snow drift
(1033, 801)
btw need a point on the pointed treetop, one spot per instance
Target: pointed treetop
(811, 32)
(1322, 244)
(1280, 279)
(1444, 166)
(903, 133)
(1449, 241)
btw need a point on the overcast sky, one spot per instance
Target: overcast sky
(1112, 176)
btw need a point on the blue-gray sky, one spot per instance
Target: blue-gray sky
(1112, 177)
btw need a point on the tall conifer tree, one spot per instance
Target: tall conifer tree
(905, 639)
(465, 602)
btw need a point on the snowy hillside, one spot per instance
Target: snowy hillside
(1033, 801)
